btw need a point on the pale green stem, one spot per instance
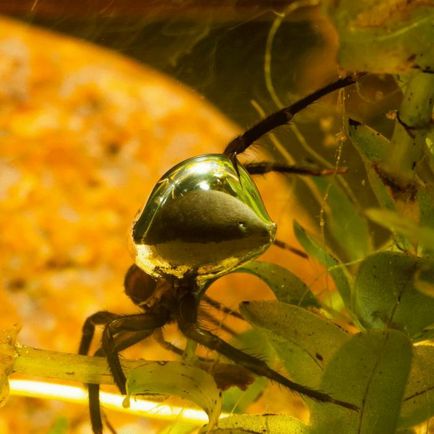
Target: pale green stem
(34, 362)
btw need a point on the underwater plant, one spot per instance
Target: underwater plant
(372, 346)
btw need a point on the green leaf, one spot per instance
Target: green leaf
(270, 424)
(415, 115)
(423, 235)
(371, 145)
(336, 269)
(287, 287)
(383, 37)
(348, 227)
(425, 198)
(252, 342)
(386, 296)
(304, 341)
(180, 379)
(424, 279)
(373, 149)
(370, 371)
(418, 403)
(237, 401)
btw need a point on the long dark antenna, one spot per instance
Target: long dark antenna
(284, 116)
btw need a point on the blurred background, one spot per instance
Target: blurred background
(216, 47)
(98, 99)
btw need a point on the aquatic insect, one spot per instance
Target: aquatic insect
(203, 219)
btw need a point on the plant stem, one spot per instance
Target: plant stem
(33, 362)
(64, 366)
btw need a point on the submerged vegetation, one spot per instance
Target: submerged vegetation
(371, 342)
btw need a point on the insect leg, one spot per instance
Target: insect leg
(187, 320)
(284, 116)
(99, 318)
(122, 341)
(285, 246)
(263, 167)
(219, 306)
(94, 405)
(143, 323)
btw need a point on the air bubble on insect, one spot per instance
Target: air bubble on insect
(204, 217)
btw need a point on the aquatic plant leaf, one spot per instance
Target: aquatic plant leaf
(424, 279)
(347, 225)
(373, 149)
(237, 401)
(304, 341)
(251, 424)
(423, 235)
(180, 379)
(255, 343)
(287, 287)
(386, 296)
(383, 37)
(370, 370)
(410, 149)
(369, 143)
(418, 402)
(337, 270)
(425, 199)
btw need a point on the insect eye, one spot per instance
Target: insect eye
(204, 216)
